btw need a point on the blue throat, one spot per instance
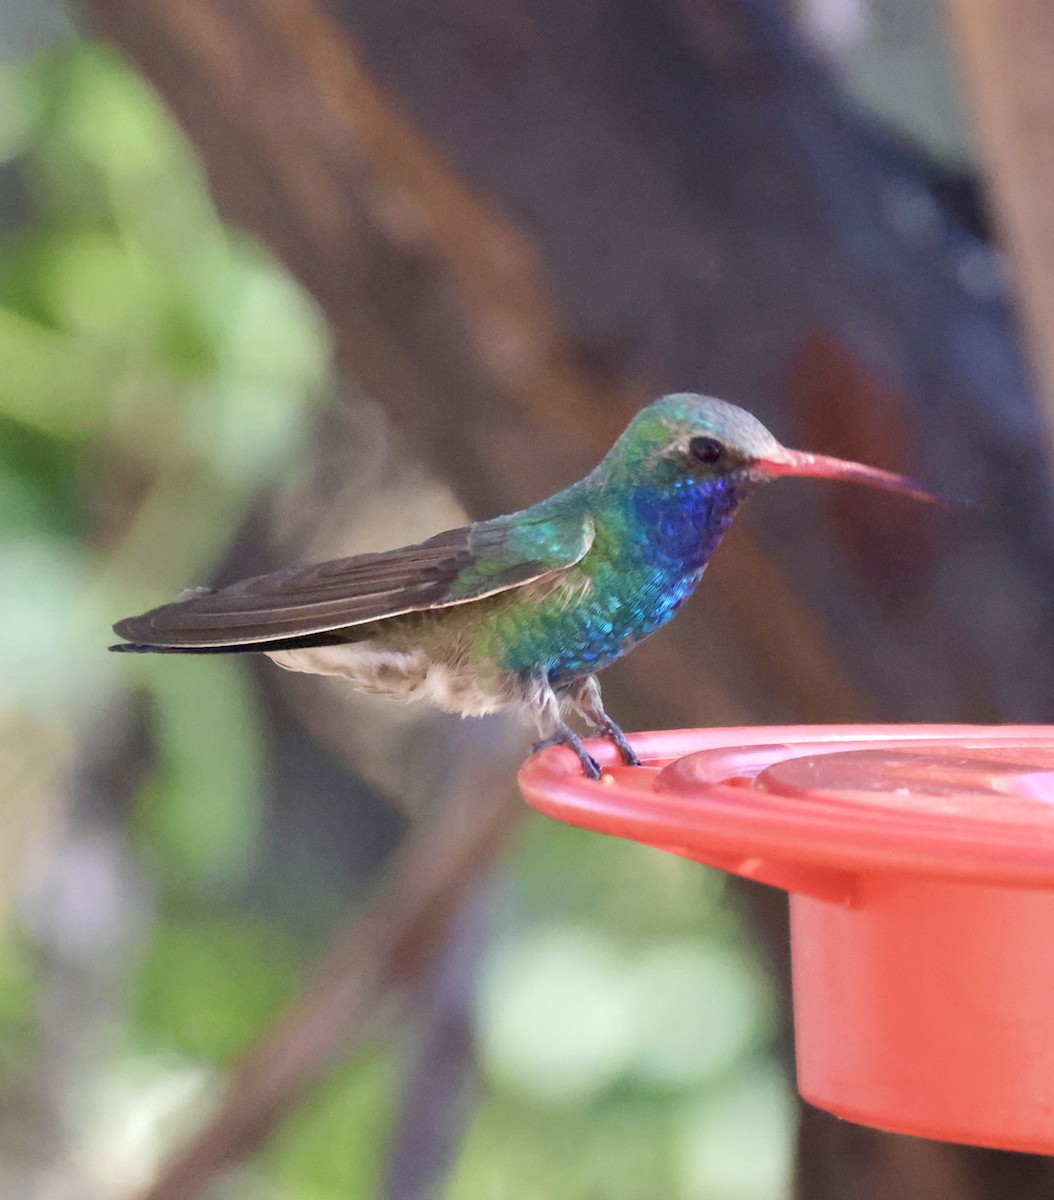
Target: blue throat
(684, 523)
(667, 536)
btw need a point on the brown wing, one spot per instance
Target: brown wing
(452, 568)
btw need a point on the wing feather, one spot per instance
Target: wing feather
(456, 567)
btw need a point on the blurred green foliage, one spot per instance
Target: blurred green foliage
(158, 369)
(625, 1034)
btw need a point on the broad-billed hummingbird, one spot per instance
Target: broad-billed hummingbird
(522, 610)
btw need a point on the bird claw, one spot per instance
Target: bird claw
(570, 739)
(590, 766)
(626, 752)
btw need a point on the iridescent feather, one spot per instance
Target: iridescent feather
(524, 609)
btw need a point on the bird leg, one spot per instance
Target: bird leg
(546, 706)
(584, 697)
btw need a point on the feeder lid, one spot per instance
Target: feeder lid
(801, 806)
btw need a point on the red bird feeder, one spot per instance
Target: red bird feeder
(920, 866)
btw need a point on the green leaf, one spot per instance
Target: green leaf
(202, 811)
(210, 985)
(335, 1144)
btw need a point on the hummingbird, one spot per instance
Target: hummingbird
(522, 610)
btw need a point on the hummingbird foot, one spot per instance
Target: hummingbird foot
(607, 728)
(566, 736)
(585, 697)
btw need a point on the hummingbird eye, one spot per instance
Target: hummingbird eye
(706, 450)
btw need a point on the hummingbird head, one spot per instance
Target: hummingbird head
(700, 440)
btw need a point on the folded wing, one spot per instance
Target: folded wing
(456, 567)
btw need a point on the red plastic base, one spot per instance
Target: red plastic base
(925, 1008)
(920, 863)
